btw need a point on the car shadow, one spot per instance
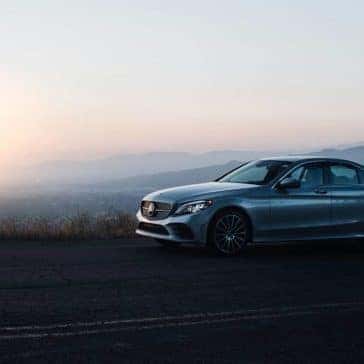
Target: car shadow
(337, 249)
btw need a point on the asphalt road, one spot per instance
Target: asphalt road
(132, 301)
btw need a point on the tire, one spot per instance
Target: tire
(167, 243)
(229, 233)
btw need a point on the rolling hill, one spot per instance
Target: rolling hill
(152, 182)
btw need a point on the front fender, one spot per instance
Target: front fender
(257, 210)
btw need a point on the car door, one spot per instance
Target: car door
(302, 212)
(347, 193)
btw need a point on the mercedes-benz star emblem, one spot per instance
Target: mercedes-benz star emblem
(151, 209)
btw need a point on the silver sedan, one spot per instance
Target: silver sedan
(269, 200)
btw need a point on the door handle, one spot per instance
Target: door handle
(320, 191)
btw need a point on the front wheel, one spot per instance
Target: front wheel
(229, 233)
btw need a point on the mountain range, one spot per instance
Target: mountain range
(152, 182)
(65, 188)
(128, 165)
(141, 170)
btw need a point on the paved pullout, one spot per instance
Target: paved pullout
(132, 301)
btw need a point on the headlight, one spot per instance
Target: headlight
(193, 207)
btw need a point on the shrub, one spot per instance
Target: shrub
(79, 227)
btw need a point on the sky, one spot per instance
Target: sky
(86, 79)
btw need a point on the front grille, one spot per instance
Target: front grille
(153, 228)
(161, 211)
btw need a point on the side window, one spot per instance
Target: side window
(296, 174)
(343, 175)
(362, 176)
(310, 176)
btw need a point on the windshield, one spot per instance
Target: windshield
(257, 173)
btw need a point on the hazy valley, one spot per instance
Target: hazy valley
(117, 184)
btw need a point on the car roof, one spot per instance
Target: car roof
(309, 158)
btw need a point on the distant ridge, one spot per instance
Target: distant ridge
(356, 154)
(169, 179)
(130, 165)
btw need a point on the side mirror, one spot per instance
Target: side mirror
(288, 182)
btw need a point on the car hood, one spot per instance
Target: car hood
(196, 191)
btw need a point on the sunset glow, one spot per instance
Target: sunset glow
(90, 79)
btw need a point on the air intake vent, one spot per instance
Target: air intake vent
(153, 228)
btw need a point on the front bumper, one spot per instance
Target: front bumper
(183, 229)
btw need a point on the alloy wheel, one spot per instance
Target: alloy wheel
(230, 234)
